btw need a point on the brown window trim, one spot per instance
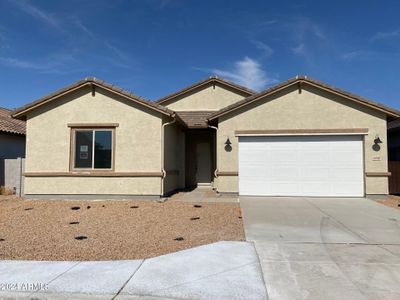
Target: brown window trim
(172, 172)
(227, 173)
(92, 125)
(93, 174)
(378, 174)
(86, 127)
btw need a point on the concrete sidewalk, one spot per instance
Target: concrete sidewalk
(223, 270)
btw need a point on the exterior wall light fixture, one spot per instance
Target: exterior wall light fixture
(228, 147)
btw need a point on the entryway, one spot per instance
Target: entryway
(200, 157)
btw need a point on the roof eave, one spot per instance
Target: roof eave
(21, 112)
(12, 132)
(202, 83)
(388, 111)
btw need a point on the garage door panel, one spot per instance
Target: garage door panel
(290, 189)
(314, 188)
(314, 156)
(312, 173)
(301, 166)
(347, 157)
(253, 188)
(280, 173)
(284, 156)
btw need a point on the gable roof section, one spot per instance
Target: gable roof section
(91, 81)
(299, 80)
(194, 119)
(212, 79)
(10, 125)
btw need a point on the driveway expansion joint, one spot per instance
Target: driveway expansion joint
(129, 279)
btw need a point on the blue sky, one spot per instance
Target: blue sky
(155, 47)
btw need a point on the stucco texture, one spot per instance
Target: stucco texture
(310, 109)
(137, 143)
(174, 158)
(211, 97)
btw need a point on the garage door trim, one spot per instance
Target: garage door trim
(307, 132)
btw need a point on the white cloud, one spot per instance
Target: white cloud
(306, 32)
(3, 40)
(56, 64)
(118, 52)
(358, 55)
(70, 25)
(14, 62)
(268, 51)
(385, 35)
(300, 49)
(82, 27)
(247, 72)
(37, 13)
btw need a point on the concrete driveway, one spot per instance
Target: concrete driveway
(325, 248)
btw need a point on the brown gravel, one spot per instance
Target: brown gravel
(391, 201)
(41, 230)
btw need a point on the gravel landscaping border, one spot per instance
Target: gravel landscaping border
(391, 201)
(111, 229)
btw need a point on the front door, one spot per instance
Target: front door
(203, 163)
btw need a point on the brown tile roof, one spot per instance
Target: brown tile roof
(212, 79)
(9, 124)
(20, 112)
(194, 119)
(306, 80)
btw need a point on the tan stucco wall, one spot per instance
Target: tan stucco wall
(93, 186)
(137, 138)
(312, 109)
(174, 157)
(209, 97)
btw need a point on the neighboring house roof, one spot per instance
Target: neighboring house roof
(9, 124)
(194, 119)
(20, 112)
(212, 79)
(299, 80)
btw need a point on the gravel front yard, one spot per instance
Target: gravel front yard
(41, 230)
(391, 201)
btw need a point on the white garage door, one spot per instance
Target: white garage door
(301, 166)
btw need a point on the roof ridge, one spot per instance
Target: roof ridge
(18, 112)
(212, 78)
(306, 79)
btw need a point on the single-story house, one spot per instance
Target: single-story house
(12, 140)
(299, 138)
(394, 156)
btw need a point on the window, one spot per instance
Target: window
(93, 149)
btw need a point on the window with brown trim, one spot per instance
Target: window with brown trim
(92, 149)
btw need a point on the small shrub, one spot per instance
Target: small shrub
(6, 191)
